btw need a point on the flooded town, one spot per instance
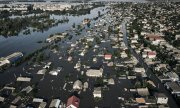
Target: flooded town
(89, 54)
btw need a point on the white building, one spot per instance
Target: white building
(38, 100)
(97, 92)
(173, 76)
(54, 103)
(139, 70)
(42, 105)
(11, 58)
(161, 98)
(51, 6)
(111, 81)
(77, 85)
(24, 79)
(48, 65)
(4, 62)
(173, 87)
(94, 72)
(42, 71)
(55, 37)
(2, 99)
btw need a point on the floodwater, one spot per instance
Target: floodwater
(28, 43)
(50, 87)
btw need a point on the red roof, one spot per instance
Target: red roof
(153, 37)
(73, 100)
(152, 53)
(108, 56)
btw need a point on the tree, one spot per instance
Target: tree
(74, 25)
(99, 13)
(137, 84)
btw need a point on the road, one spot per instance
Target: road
(153, 77)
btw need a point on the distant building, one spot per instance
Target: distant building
(143, 91)
(27, 89)
(173, 76)
(24, 79)
(173, 87)
(97, 92)
(12, 106)
(54, 103)
(52, 6)
(77, 85)
(54, 38)
(11, 58)
(39, 100)
(152, 54)
(111, 81)
(94, 72)
(42, 71)
(14, 57)
(73, 102)
(161, 98)
(139, 70)
(2, 99)
(47, 66)
(107, 56)
(164, 79)
(4, 62)
(155, 39)
(42, 105)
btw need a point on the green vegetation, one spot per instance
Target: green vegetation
(11, 27)
(99, 82)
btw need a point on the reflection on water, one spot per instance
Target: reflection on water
(28, 43)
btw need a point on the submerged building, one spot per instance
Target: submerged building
(94, 72)
(11, 58)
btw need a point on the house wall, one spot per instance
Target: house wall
(162, 100)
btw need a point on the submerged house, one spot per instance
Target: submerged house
(11, 58)
(77, 85)
(94, 72)
(54, 103)
(97, 92)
